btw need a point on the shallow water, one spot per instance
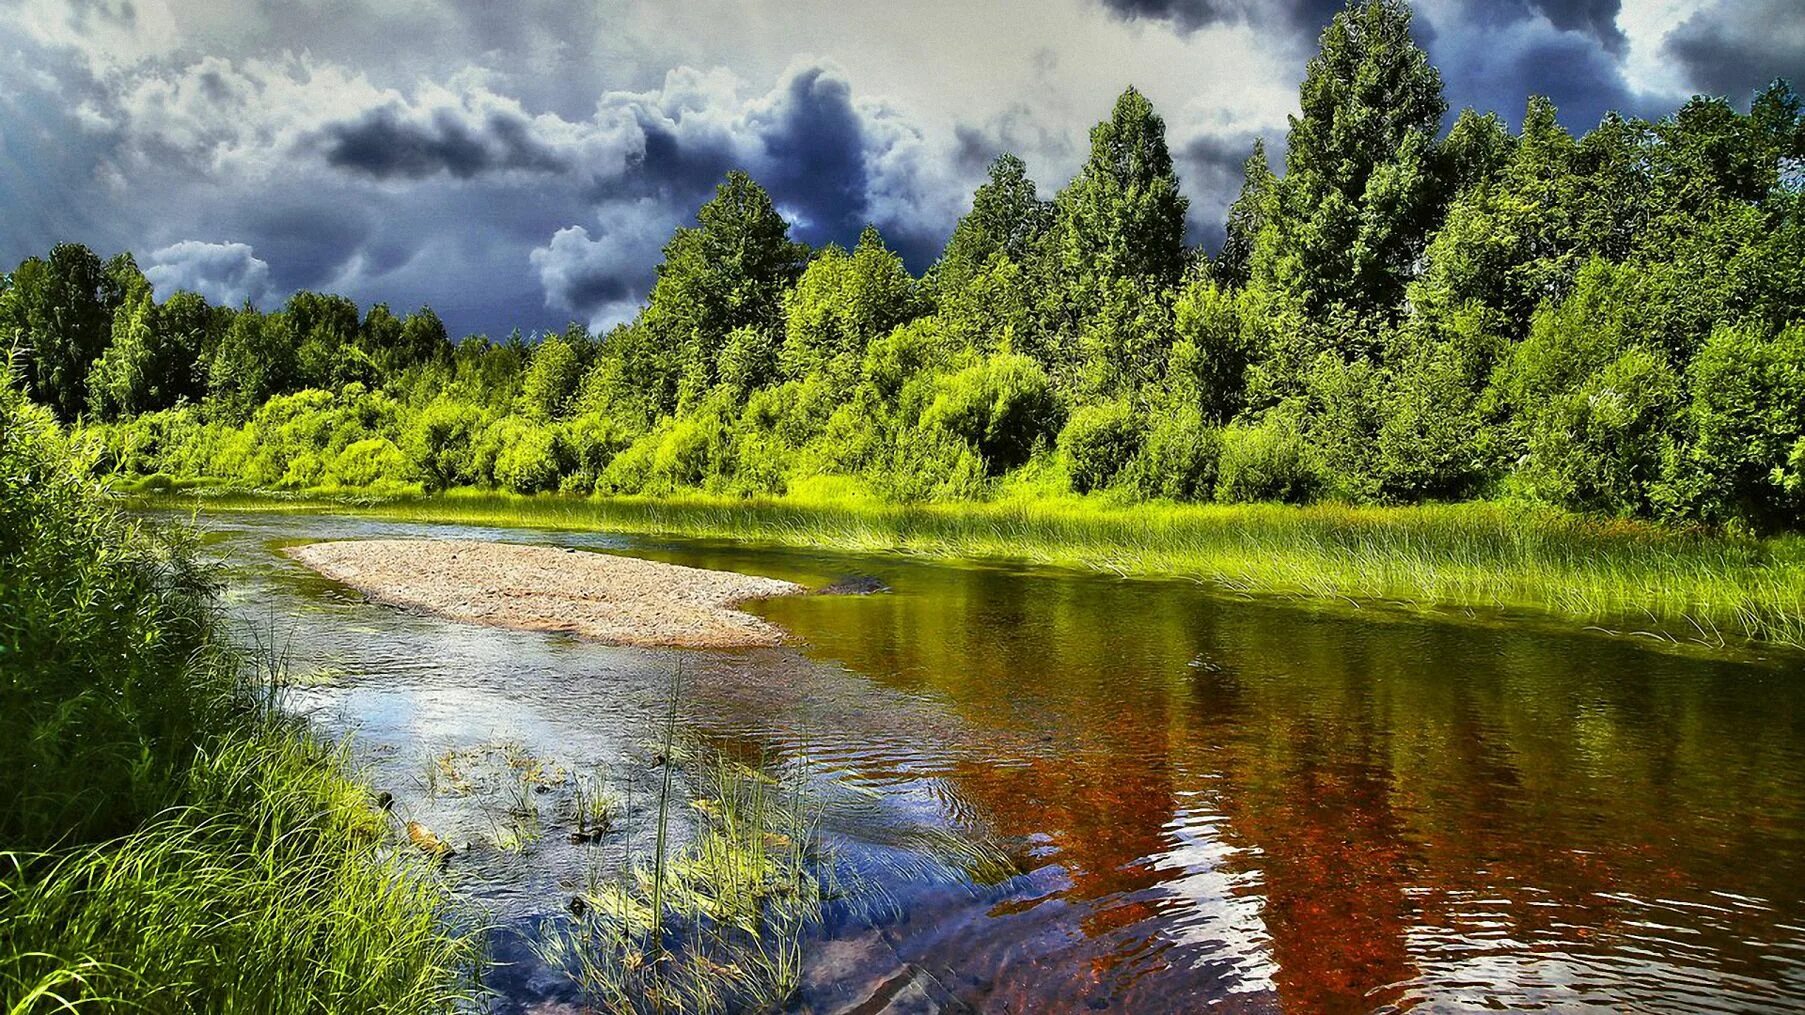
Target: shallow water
(1211, 802)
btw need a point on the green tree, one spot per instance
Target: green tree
(1249, 214)
(1007, 219)
(57, 315)
(1123, 217)
(1358, 197)
(728, 271)
(423, 339)
(843, 302)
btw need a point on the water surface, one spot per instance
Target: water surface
(1209, 802)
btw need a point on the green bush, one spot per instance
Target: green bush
(523, 457)
(1178, 457)
(1748, 422)
(1601, 447)
(372, 462)
(1098, 442)
(1265, 462)
(1001, 407)
(441, 442)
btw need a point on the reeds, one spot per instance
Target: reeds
(716, 923)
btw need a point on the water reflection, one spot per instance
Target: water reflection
(1212, 803)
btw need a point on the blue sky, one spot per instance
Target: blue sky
(522, 164)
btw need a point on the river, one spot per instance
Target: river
(1205, 801)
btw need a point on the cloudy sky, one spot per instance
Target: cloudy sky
(522, 163)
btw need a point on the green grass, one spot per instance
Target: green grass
(168, 841)
(1683, 586)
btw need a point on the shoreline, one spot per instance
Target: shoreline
(1688, 589)
(615, 600)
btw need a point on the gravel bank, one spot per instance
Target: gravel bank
(618, 600)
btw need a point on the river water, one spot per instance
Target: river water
(1206, 802)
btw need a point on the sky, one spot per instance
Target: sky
(521, 164)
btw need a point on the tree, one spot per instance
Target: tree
(423, 339)
(842, 303)
(1123, 216)
(256, 359)
(56, 312)
(1007, 218)
(728, 271)
(325, 329)
(1358, 197)
(1246, 217)
(150, 363)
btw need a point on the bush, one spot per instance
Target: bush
(372, 462)
(530, 458)
(1265, 462)
(1748, 421)
(441, 441)
(1001, 408)
(1099, 441)
(1178, 458)
(1601, 447)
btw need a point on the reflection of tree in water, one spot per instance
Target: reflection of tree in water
(1390, 789)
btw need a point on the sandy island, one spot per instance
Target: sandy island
(618, 600)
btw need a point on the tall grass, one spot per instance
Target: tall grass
(1684, 585)
(717, 923)
(168, 843)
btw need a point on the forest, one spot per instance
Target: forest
(1403, 311)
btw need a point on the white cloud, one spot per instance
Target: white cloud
(226, 274)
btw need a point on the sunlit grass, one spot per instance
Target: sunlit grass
(274, 887)
(1681, 585)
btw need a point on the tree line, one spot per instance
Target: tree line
(1613, 322)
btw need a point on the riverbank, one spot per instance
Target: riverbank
(616, 600)
(1680, 586)
(172, 842)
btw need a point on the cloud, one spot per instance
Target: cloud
(1210, 167)
(603, 277)
(1734, 48)
(384, 144)
(1298, 20)
(227, 274)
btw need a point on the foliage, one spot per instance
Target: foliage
(1601, 321)
(1099, 441)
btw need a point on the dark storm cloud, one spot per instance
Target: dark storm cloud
(1498, 71)
(1735, 48)
(385, 144)
(1597, 18)
(1210, 167)
(1300, 20)
(306, 244)
(815, 143)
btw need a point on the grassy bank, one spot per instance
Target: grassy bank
(169, 842)
(1688, 586)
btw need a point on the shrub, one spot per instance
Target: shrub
(372, 462)
(441, 440)
(1748, 419)
(1601, 446)
(1178, 457)
(1001, 407)
(1099, 441)
(529, 459)
(1267, 461)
